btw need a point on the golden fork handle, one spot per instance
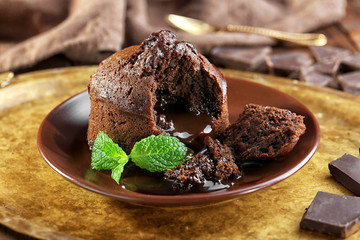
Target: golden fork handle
(307, 39)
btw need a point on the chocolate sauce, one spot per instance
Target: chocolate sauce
(174, 117)
(139, 180)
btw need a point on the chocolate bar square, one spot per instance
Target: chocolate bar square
(332, 214)
(346, 170)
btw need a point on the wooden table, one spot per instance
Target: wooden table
(274, 218)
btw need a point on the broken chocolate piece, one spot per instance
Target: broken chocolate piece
(346, 170)
(328, 68)
(312, 76)
(332, 214)
(350, 82)
(329, 54)
(288, 64)
(350, 63)
(246, 59)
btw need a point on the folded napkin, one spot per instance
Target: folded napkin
(88, 31)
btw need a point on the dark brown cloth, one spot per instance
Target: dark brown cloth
(88, 31)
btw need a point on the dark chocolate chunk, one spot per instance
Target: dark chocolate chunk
(329, 68)
(346, 170)
(332, 214)
(247, 59)
(312, 76)
(350, 82)
(329, 53)
(350, 63)
(288, 64)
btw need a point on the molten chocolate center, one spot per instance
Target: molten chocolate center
(175, 118)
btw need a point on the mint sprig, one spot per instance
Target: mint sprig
(154, 153)
(158, 153)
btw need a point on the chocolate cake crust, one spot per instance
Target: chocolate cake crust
(125, 88)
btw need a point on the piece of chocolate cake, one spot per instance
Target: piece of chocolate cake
(332, 214)
(346, 170)
(246, 59)
(263, 132)
(133, 89)
(215, 163)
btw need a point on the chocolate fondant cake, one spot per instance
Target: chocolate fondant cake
(164, 86)
(131, 91)
(264, 132)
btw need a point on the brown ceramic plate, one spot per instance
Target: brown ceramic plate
(62, 143)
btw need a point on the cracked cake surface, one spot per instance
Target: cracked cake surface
(127, 87)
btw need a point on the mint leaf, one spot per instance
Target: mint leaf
(158, 153)
(154, 153)
(116, 172)
(107, 155)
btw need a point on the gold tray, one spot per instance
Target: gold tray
(37, 201)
